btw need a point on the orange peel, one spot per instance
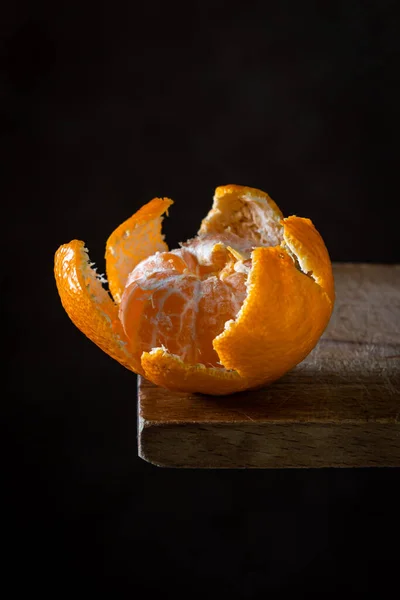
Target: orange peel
(135, 239)
(88, 304)
(267, 285)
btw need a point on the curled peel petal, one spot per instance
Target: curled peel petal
(88, 304)
(244, 210)
(134, 240)
(280, 322)
(304, 241)
(169, 371)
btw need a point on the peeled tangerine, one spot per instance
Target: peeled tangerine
(231, 309)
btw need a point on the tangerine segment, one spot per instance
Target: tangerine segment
(169, 371)
(88, 304)
(305, 242)
(270, 337)
(135, 239)
(177, 260)
(161, 310)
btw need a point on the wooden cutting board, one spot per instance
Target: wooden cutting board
(339, 408)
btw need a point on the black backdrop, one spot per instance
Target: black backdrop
(103, 108)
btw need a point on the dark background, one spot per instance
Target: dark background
(102, 108)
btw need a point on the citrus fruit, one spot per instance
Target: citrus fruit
(234, 308)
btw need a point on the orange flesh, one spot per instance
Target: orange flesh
(181, 300)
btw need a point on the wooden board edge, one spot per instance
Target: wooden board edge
(267, 446)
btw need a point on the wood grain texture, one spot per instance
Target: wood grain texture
(338, 408)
